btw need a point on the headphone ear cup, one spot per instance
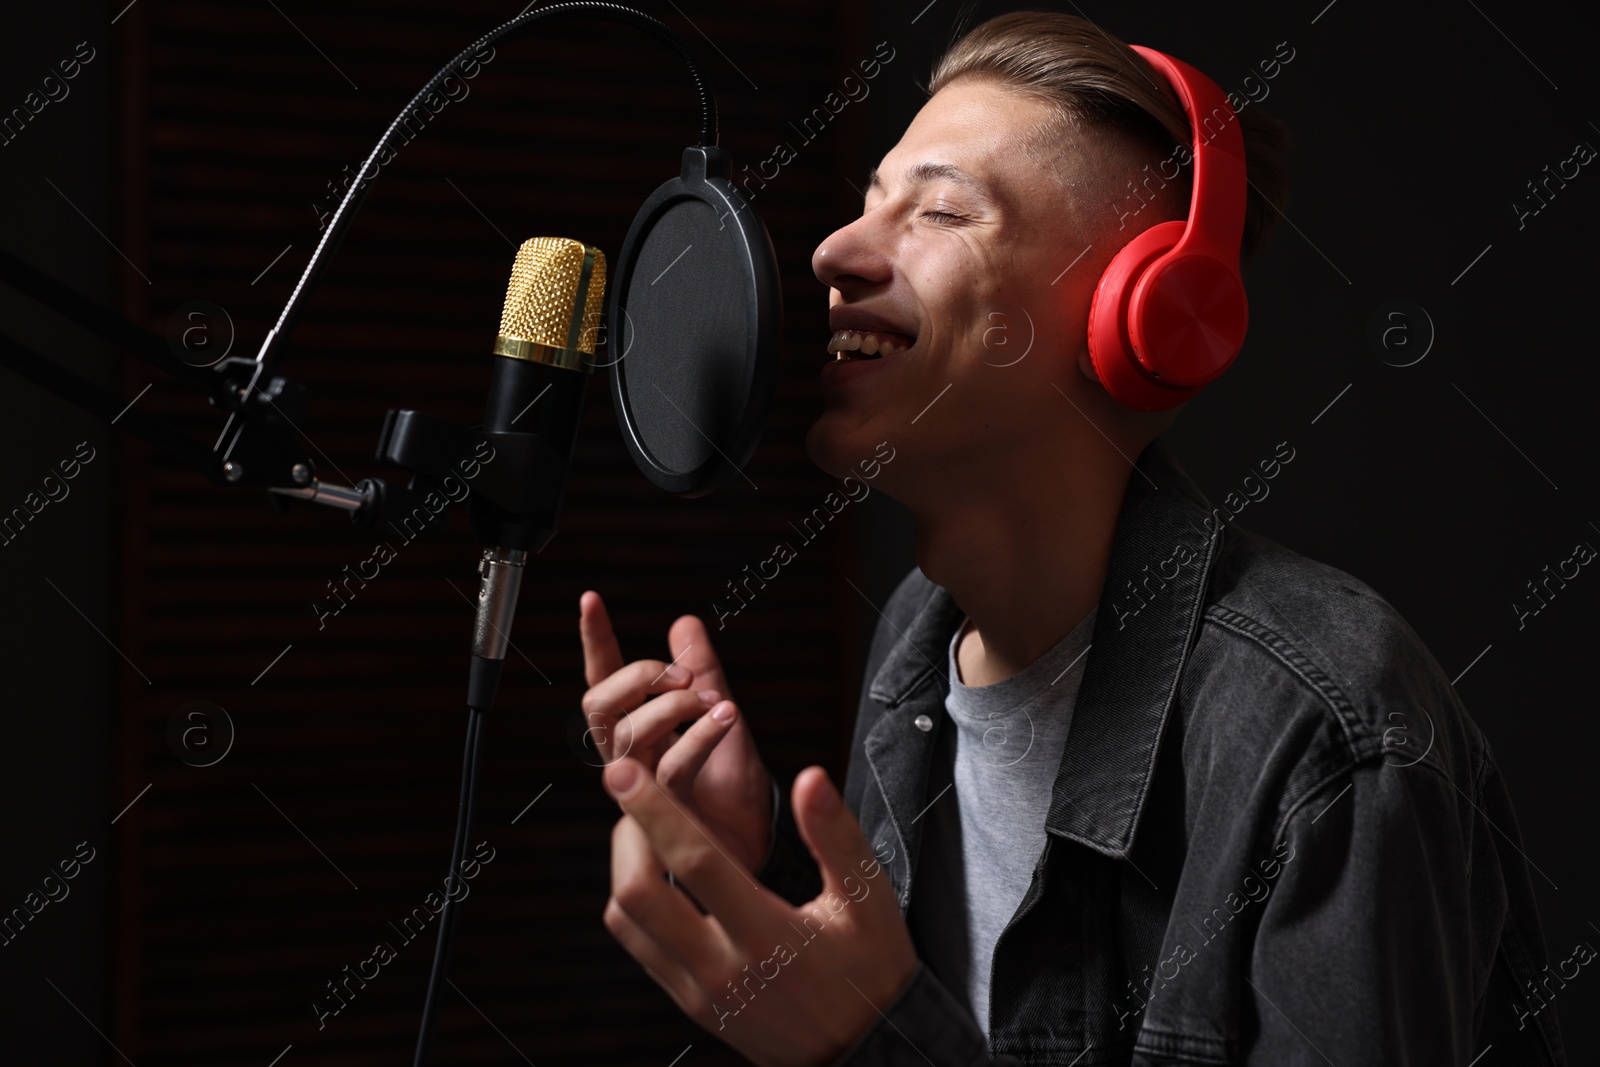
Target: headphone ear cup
(1186, 319)
(1110, 348)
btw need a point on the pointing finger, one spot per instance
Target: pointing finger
(602, 656)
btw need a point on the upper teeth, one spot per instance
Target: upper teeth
(868, 342)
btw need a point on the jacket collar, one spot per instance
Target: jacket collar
(1166, 541)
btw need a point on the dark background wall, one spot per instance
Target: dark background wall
(56, 770)
(188, 157)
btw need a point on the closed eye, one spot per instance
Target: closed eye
(942, 216)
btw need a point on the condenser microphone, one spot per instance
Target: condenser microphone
(543, 357)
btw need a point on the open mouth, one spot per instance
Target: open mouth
(847, 345)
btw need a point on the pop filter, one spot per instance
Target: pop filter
(695, 324)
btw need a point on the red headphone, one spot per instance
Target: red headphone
(1169, 314)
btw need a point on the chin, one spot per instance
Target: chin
(820, 446)
(835, 444)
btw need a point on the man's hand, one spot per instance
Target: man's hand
(714, 769)
(784, 986)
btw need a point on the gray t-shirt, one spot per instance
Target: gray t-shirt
(1001, 749)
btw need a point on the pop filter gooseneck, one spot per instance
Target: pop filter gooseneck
(347, 208)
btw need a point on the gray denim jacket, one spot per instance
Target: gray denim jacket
(1276, 836)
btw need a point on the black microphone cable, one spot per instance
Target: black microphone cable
(501, 571)
(447, 914)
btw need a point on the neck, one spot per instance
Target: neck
(1025, 565)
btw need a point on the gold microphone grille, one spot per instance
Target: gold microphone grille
(543, 319)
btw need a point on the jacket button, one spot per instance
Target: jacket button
(923, 723)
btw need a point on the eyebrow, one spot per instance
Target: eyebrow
(925, 172)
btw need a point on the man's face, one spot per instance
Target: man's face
(976, 263)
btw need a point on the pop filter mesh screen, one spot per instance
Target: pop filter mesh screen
(688, 357)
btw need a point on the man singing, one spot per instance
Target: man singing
(1129, 784)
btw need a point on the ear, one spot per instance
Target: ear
(1086, 365)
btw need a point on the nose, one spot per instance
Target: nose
(853, 257)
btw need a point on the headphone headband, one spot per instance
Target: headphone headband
(1219, 163)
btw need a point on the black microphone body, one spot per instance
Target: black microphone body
(531, 420)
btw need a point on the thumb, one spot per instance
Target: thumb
(833, 835)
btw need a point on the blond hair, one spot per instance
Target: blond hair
(1094, 79)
